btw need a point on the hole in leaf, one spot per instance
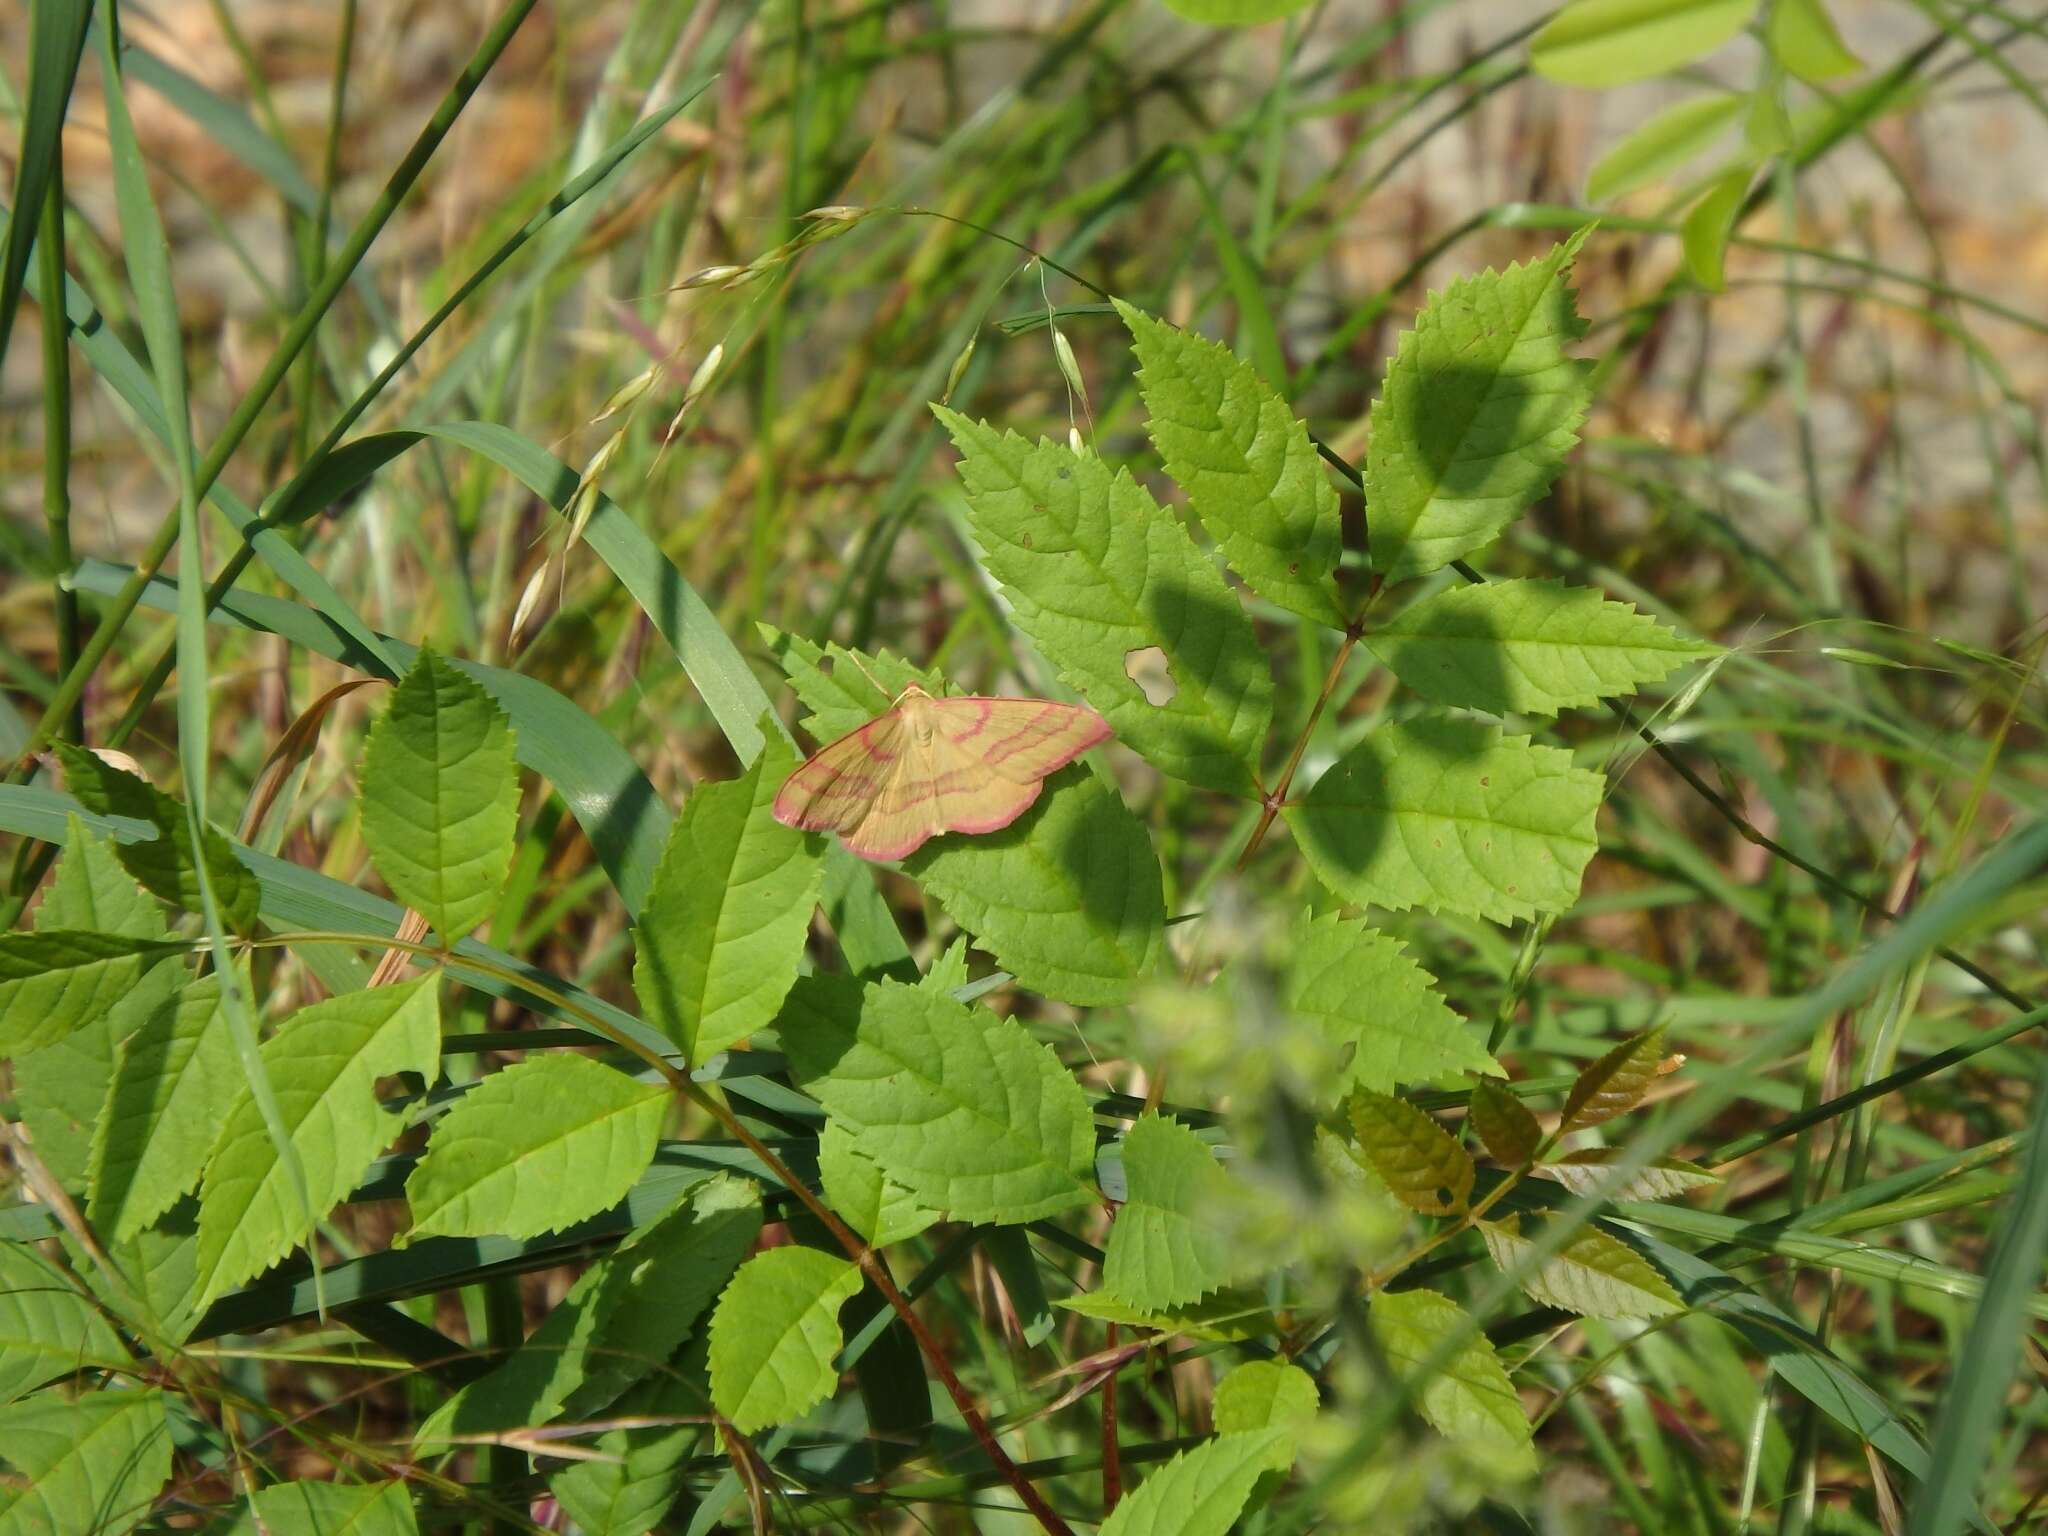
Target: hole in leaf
(1147, 668)
(826, 664)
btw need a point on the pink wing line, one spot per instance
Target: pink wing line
(1020, 740)
(839, 784)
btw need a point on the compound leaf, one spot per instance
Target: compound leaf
(1527, 646)
(535, 1148)
(1096, 574)
(963, 1109)
(1378, 1006)
(1451, 816)
(775, 1334)
(1479, 408)
(1245, 460)
(1067, 897)
(440, 801)
(323, 1066)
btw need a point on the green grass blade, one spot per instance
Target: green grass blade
(57, 43)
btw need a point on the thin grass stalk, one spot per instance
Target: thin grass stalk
(57, 436)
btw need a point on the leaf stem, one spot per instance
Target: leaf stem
(1277, 796)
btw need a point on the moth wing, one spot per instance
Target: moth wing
(836, 788)
(936, 788)
(1018, 740)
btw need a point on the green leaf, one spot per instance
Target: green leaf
(1416, 1158)
(57, 980)
(873, 1204)
(94, 1465)
(1593, 1274)
(1266, 1394)
(1663, 144)
(174, 1081)
(323, 1066)
(1479, 408)
(1467, 1399)
(535, 1148)
(161, 1267)
(1586, 1172)
(1504, 1125)
(440, 798)
(1096, 574)
(1227, 1317)
(91, 889)
(1801, 36)
(643, 1468)
(1614, 1084)
(1235, 13)
(1373, 1003)
(620, 1321)
(1599, 43)
(164, 865)
(947, 973)
(1711, 223)
(1200, 1492)
(56, 44)
(1167, 1248)
(61, 1089)
(48, 1327)
(837, 685)
(1067, 897)
(963, 1109)
(1250, 472)
(1451, 816)
(724, 928)
(331, 1509)
(775, 1334)
(1527, 646)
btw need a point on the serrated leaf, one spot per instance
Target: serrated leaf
(174, 1080)
(622, 1318)
(873, 1204)
(534, 1148)
(948, 973)
(724, 928)
(642, 1468)
(1451, 816)
(1096, 573)
(1479, 408)
(963, 1109)
(1504, 1125)
(1593, 1274)
(160, 1265)
(1416, 1158)
(1527, 646)
(323, 1067)
(1801, 36)
(165, 865)
(1167, 1249)
(1467, 1399)
(1068, 897)
(1711, 222)
(330, 1509)
(90, 889)
(1663, 144)
(1358, 986)
(841, 688)
(48, 1328)
(1266, 1394)
(1250, 472)
(1589, 1170)
(61, 1089)
(94, 1464)
(1200, 1492)
(1227, 1317)
(1614, 1084)
(56, 980)
(1600, 43)
(775, 1334)
(440, 797)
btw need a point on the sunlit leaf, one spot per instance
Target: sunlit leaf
(873, 1204)
(775, 1335)
(1169, 1247)
(1600, 43)
(1802, 36)
(1614, 1084)
(1589, 1171)
(1663, 144)
(1415, 1157)
(1593, 1274)
(1266, 1394)
(1200, 1492)
(91, 1465)
(1467, 1398)
(48, 1326)
(57, 980)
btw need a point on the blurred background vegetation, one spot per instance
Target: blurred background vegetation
(1832, 464)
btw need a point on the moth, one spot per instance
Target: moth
(928, 765)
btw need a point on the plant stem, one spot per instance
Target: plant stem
(1278, 795)
(123, 604)
(57, 435)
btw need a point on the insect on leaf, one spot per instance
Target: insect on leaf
(927, 766)
(1414, 1156)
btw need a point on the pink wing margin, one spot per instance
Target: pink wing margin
(1021, 740)
(834, 787)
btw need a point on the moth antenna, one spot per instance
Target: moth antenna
(854, 657)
